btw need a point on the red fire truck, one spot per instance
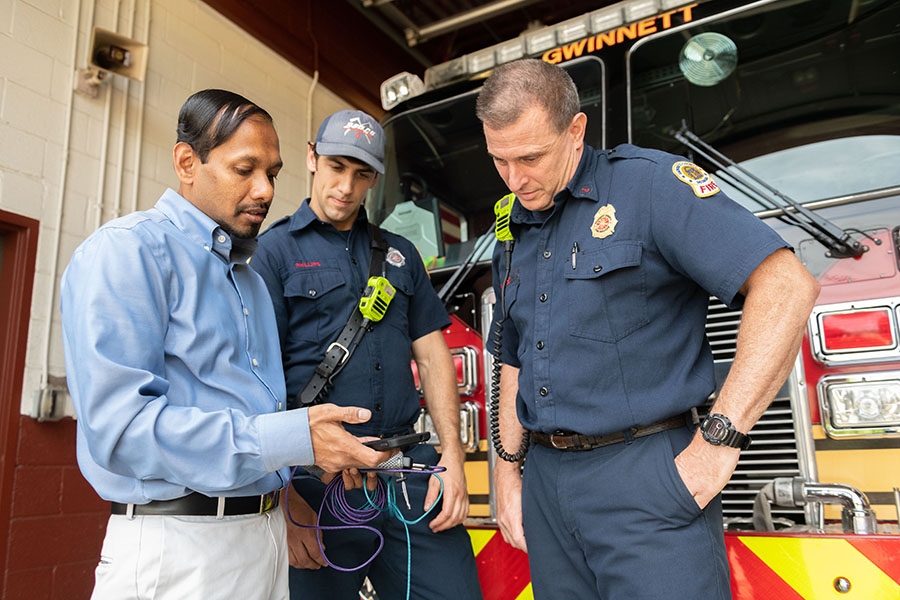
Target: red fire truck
(794, 107)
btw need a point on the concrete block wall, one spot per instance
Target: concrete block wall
(72, 162)
(112, 154)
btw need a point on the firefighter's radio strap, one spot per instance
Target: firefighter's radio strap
(371, 308)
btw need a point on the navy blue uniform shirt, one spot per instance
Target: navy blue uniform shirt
(608, 291)
(316, 276)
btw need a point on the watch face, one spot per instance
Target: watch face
(716, 428)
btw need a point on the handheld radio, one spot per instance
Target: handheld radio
(376, 298)
(502, 208)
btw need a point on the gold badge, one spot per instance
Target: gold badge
(605, 222)
(699, 180)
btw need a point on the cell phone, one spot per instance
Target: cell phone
(399, 441)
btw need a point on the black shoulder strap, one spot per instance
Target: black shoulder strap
(379, 251)
(340, 351)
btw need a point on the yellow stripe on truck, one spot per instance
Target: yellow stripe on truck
(480, 538)
(832, 557)
(526, 594)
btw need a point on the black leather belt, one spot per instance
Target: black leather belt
(575, 442)
(196, 504)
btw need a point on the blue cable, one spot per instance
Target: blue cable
(383, 501)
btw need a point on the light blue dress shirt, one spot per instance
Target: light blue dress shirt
(173, 361)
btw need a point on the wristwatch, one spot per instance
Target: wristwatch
(718, 431)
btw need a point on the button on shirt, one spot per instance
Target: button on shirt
(316, 276)
(173, 361)
(606, 316)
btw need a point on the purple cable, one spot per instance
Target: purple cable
(335, 501)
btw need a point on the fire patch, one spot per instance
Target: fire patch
(699, 180)
(605, 222)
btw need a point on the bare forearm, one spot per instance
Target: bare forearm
(779, 298)
(438, 378)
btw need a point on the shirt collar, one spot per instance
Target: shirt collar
(584, 184)
(304, 216)
(198, 226)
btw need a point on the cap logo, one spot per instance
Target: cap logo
(359, 129)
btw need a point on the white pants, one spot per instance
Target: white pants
(179, 558)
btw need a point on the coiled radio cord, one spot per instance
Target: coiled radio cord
(496, 366)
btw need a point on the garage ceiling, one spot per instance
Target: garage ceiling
(357, 44)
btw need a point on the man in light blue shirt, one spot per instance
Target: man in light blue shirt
(174, 367)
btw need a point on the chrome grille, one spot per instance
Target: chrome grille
(774, 451)
(721, 329)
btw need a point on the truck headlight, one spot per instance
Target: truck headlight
(862, 404)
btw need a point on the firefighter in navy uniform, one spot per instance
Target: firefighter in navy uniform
(316, 263)
(604, 295)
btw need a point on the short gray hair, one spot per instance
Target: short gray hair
(516, 86)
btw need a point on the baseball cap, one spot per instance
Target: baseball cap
(352, 133)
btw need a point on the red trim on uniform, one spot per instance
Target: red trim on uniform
(751, 578)
(502, 570)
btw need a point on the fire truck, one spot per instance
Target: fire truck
(793, 106)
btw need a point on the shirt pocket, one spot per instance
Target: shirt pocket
(607, 292)
(397, 314)
(314, 297)
(401, 280)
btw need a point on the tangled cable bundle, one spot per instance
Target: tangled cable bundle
(383, 499)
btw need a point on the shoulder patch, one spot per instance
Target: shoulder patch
(395, 258)
(699, 180)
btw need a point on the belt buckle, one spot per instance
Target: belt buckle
(268, 501)
(560, 445)
(345, 353)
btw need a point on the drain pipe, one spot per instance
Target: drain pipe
(45, 405)
(857, 515)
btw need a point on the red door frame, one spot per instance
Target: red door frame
(20, 242)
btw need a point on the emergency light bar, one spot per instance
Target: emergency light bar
(405, 85)
(399, 88)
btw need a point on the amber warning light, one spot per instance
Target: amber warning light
(858, 330)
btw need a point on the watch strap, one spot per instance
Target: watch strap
(736, 439)
(732, 437)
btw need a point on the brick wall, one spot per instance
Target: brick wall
(57, 521)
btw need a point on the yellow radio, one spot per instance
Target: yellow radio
(376, 298)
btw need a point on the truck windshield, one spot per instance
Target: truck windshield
(826, 169)
(804, 95)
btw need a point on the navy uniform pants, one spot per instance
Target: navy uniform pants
(618, 523)
(442, 564)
